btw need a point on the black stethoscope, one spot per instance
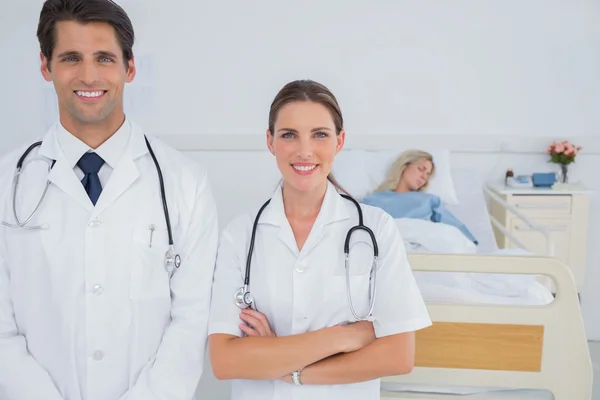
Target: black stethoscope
(171, 258)
(244, 299)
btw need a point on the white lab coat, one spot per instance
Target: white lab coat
(302, 291)
(87, 308)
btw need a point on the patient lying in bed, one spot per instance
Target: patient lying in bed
(401, 194)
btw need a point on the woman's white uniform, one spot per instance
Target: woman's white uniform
(302, 291)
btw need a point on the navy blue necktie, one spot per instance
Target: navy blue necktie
(90, 164)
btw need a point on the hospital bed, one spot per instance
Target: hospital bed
(498, 332)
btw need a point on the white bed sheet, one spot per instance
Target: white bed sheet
(482, 289)
(420, 236)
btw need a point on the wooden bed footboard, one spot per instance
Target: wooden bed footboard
(499, 347)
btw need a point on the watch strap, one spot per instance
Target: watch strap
(296, 377)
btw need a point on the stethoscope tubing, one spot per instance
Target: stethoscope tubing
(243, 293)
(170, 257)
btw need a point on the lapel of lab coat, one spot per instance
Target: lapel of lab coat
(125, 173)
(122, 177)
(332, 210)
(62, 175)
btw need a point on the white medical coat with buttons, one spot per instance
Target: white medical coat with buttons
(302, 291)
(88, 310)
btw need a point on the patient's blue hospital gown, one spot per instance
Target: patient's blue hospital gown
(419, 205)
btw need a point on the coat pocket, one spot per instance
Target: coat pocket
(149, 274)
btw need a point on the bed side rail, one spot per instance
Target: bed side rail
(550, 252)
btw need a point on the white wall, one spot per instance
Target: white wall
(398, 67)
(482, 74)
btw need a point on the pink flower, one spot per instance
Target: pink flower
(563, 148)
(568, 148)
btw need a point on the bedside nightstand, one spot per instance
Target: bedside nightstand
(564, 212)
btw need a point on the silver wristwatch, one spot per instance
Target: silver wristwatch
(296, 377)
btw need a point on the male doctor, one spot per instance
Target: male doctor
(89, 310)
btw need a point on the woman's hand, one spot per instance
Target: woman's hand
(358, 335)
(257, 324)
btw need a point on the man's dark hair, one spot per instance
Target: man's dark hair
(84, 11)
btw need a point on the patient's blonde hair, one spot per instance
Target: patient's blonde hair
(397, 169)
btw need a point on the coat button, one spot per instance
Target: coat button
(98, 355)
(300, 268)
(94, 223)
(97, 289)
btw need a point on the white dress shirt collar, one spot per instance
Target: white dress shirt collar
(110, 151)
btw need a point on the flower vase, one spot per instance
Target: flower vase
(563, 173)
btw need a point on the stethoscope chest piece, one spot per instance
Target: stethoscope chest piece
(172, 259)
(243, 298)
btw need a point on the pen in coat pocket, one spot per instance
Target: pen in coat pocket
(152, 227)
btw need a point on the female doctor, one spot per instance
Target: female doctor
(299, 337)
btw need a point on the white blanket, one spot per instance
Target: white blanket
(421, 236)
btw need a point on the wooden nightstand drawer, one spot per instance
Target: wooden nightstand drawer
(542, 206)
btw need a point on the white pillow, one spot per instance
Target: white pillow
(360, 172)
(350, 170)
